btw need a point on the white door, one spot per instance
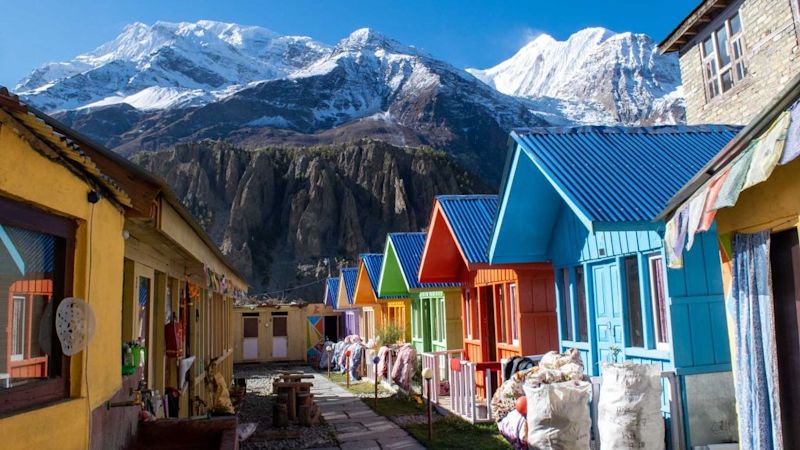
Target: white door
(250, 338)
(280, 340)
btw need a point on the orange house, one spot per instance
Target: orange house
(507, 309)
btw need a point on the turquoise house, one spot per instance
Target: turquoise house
(585, 199)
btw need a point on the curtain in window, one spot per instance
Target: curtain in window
(756, 369)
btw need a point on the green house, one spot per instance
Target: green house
(435, 307)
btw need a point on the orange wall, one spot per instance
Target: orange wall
(536, 311)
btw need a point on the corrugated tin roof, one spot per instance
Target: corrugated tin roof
(622, 174)
(471, 218)
(350, 275)
(331, 291)
(409, 247)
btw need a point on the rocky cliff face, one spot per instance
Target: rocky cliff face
(279, 214)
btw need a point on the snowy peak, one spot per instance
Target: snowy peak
(188, 63)
(595, 76)
(367, 39)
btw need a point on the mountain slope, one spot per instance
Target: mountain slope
(595, 76)
(278, 214)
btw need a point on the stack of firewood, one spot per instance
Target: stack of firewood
(295, 401)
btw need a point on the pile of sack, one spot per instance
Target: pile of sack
(547, 406)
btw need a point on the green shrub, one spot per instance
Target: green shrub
(388, 334)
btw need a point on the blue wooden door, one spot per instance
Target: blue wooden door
(608, 312)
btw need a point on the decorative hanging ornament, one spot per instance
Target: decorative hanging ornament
(74, 325)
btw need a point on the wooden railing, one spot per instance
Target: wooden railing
(439, 363)
(674, 424)
(464, 399)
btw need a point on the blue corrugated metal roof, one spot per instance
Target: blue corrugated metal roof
(409, 247)
(332, 291)
(471, 218)
(350, 275)
(621, 174)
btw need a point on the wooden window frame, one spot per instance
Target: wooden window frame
(501, 323)
(513, 303)
(567, 305)
(662, 346)
(47, 391)
(713, 85)
(638, 301)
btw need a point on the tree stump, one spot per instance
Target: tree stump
(304, 415)
(280, 417)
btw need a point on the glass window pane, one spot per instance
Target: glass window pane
(722, 46)
(32, 265)
(727, 80)
(635, 329)
(736, 25)
(708, 48)
(580, 291)
(512, 298)
(566, 306)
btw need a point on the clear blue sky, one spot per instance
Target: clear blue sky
(466, 33)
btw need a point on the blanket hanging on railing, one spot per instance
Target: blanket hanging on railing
(755, 367)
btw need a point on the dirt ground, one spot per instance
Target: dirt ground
(257, 408)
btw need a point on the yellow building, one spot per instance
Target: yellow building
(366, 295)
(751, 190)
(77, 220)
(54, 236)
(264, 332)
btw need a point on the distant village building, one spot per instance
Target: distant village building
(735, 56)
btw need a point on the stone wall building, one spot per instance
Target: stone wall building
(735, 57)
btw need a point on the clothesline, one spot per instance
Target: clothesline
(779, 145)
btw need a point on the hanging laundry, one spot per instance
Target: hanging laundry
(767, 152)
(695, 215)
(675, 238)
(711, 197)
(791, 148)
(670, 236)
(732, 186)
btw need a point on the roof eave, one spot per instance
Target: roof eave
(701, 15)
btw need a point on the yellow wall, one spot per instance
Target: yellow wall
(773, 204)
(43, 183)
(453, 324)
(178, 230)
(405, 306)
(296, 323)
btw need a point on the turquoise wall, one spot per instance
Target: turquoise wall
(697, 322)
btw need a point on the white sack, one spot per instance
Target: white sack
(629, 408)
(558, 416)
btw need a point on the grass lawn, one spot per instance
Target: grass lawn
(356, 387)
(454, 433)
(397, 405)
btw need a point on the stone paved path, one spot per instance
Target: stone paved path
(356, 425)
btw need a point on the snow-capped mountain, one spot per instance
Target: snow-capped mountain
(155, 86)
(169, 65)
(595, 76)
(366, 86)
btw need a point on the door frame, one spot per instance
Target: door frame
(273, 316)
